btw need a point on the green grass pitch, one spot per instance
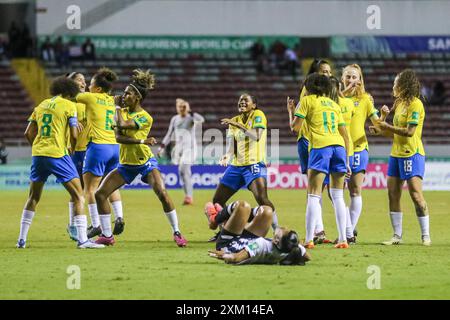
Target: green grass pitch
(146, 264)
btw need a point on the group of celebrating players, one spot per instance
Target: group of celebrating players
(95, 143)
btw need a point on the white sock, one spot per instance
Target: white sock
(312, 210)
(71, 213)
(396, 221)
(95, 220)
(349, 227)
(425, 225)
(173, 220)
(25, 223)
(340, 211)
(355, 209)
(80, 222)
(319, 221)
(274, 221)
(105, 222)
(117, 209)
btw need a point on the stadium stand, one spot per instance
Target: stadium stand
(213, 82)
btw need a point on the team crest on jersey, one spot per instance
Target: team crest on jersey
(356, 103)
(253, 246)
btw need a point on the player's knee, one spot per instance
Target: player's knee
(243, 206)
(100, 196)
(78, 198)
(266, 212)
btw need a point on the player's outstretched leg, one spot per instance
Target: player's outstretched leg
(154, 178)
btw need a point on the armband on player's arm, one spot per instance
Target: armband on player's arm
(73, 122)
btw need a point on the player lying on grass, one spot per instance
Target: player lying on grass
(46, 132)
(241, 240)
(132, 129)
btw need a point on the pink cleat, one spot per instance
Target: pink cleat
(218, 207)
(179, 239)
(188, 201)
(107, 241)
(211, 212)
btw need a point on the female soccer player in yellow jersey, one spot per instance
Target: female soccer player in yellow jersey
(46, 132)
(354, 89)
(321, 67)
(328, 144)
(246, 137)
(102, 154)
(79, 151)
(407, 160)
(132, 128)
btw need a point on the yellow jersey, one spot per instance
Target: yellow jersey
(304, 132)
(364, 109)
(82, 140)
(348, 110)
(247, 150)
(136, 154)
(52, 119)
(323, 117)
(100, 110)
(404, 147)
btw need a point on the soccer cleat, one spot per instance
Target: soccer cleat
(218, 207)
(188, 201)
(214, 237)
(21, 244)
(119, 225)
(309, 245)
(395, 240)
(107, 241)
(93, 231)
(351, 240)
(211, 212)
(426, 241)
(73, 233)
(355, 232)
(179, 239)
(342, 245)
(320, 238)
(89, 245)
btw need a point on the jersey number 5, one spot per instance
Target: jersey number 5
(325, 122)
(46, 129)
(109, 120)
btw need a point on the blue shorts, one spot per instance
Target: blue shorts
(62, 168)
(78, 160)
(328, 160)
(327, 177)
(129, 172)
(303, 154)
(101, 159)
(236, 177)
(360, 161)
(406, 168)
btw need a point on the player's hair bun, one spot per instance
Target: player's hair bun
(144, 79)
